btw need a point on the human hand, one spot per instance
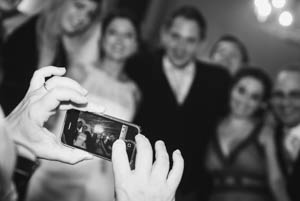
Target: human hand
(42, 100)
(148, 182)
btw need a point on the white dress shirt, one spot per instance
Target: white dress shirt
(292, 142)
(180, 79)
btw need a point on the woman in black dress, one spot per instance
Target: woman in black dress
(241, 157)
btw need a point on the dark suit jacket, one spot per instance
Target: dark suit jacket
(186, 127)
(293, 182)
(292, 178)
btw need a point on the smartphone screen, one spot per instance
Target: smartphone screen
(97, 133)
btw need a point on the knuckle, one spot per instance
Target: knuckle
(73, 161)
(164, 160)
(31, 98)
(164, 156)
(37, 73)
(52, 81)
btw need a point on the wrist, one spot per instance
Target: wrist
(27, 163)
(27, 160)
(12, 128)
(18, 133)
(25, 152)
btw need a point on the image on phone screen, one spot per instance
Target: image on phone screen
(97, 133)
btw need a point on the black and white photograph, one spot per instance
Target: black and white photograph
(143, 100)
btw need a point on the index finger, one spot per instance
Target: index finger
(39, 76)
(57, 81)
(90, 107)
(120, 160)
(144, 156)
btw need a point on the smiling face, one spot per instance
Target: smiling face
(286, 98)
(78, 16)
(246, 97)
(182, 40)
(119, 40)
(228, 55)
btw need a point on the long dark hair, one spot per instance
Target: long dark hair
(116, 14)
(262, 77)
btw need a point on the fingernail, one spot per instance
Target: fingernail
(63, 68)
(178, 152)
(119, 142)
(160, 142)
(140, 136)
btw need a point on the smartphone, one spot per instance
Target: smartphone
(96, 133)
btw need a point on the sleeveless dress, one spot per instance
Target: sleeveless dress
(90, 180)
(240, 175)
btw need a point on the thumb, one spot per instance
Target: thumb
(71, 155)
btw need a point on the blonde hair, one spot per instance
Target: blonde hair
(49, 30)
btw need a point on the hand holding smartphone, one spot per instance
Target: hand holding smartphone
(96, 133)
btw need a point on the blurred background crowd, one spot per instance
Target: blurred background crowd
(218, 79)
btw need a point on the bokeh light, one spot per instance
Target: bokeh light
(263, 9)
(286, 19)
(278, 3)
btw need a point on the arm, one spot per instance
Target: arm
(275, 178)
(23, 133)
